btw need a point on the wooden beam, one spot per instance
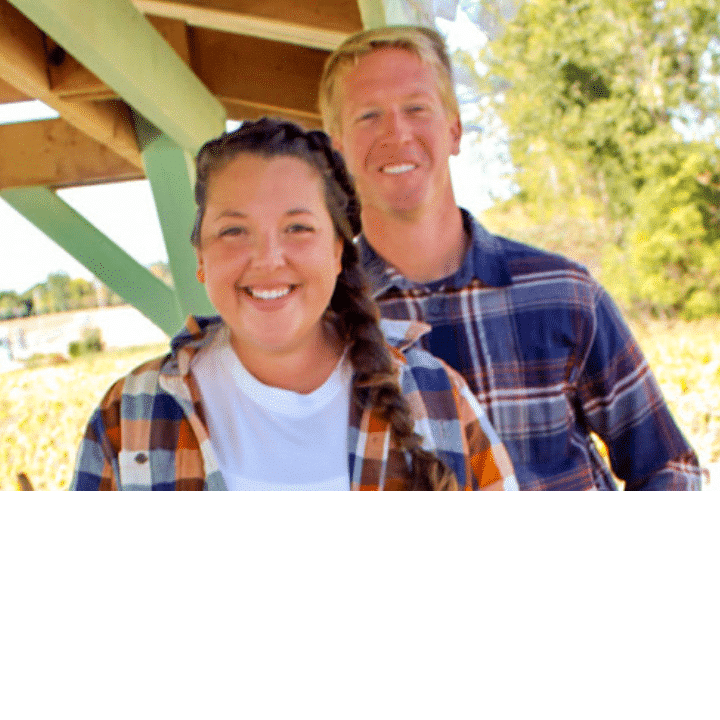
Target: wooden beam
(56, 154)
(122, 48)
(341, 15)
(106, 260)
(259, 72)
(174, 33)
(10, 94)
(70, 79)
(23, 66)
(238, 110)
(243, 24)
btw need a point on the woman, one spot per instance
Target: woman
(293, 385)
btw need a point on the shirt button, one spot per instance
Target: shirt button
(434, 308)
(141, 458)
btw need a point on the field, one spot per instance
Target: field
(43, 410)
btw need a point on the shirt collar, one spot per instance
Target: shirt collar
(199, 332)
(485, 260)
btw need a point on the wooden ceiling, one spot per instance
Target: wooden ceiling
(254, 57)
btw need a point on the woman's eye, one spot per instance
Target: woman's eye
(299, 228)
(232, 232)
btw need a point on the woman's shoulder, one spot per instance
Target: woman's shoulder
(402, 336)
(141, 380)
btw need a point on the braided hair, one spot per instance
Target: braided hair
(352, 313)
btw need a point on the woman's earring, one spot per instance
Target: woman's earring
(200, 275)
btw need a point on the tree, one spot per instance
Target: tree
(601, 98)
(9, 300)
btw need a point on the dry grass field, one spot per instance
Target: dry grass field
(43, 410)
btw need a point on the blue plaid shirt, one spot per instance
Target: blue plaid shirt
(550, 359)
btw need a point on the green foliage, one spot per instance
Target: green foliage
(672, 258)
(9, 301)
(91, 342)
(600, 98)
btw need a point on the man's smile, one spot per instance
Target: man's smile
(398, 169)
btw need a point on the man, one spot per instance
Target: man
(539, 341)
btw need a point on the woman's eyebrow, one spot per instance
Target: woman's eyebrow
(220, 214)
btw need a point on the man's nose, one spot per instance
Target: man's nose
(396, 126)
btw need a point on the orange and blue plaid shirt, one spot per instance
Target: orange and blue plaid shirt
(550, 360)
(149, 431)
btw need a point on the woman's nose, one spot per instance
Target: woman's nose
(268, 251)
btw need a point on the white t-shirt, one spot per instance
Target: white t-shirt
(266, 438)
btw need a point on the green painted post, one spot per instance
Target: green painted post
(170, 171)
(110, 263)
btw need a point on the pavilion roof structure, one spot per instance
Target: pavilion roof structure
(138, 86)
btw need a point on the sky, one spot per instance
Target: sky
(125, 212)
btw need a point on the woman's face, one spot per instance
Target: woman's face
(269, 254)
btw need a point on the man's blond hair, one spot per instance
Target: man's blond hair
(427, 44)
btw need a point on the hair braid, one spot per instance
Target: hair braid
(376, 381)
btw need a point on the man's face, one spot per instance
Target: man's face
(396, 136)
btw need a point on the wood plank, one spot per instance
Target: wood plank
(175, 34)
(70, 79)
(341, 16)
(238, 110)
(256, 71)
(10, 94)
(55, 154)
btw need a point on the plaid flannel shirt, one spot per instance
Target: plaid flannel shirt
(550, 359)
(149, 431)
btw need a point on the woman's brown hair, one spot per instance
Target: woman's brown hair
(352, 313)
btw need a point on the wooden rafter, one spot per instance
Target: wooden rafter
(55, 154)
(238, 23)
(23, 65)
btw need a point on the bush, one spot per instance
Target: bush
(90, 342)
(671, 261)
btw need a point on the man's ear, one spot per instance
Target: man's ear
(337, 145)
(456, 135)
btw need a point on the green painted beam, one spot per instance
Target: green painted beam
(116, 42)
(170, 171)
(110, 263)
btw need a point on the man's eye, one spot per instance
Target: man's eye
(369, 115)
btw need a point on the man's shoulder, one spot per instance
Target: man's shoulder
(523, 259)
